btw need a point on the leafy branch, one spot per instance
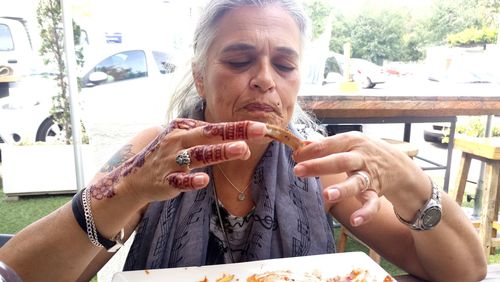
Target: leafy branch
(49, 19)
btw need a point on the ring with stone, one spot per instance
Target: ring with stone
(366, 179)
(183, 159)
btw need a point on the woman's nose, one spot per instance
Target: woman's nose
(263, 78)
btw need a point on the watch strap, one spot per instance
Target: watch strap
(433, 202)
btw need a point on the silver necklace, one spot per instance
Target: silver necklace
(241, 195)
(222, 225)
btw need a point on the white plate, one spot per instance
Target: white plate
(328, 266)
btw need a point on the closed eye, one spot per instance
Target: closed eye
(238, 65)
(285, 68)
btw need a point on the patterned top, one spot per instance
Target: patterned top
(237, 229)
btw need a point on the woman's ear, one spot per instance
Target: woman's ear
(198, 80)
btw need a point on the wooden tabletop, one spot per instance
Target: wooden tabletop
(483, 147)
(373, 106)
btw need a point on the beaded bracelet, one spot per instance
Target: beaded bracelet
(83, 215)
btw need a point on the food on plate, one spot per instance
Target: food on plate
(356, 275)
(359, 275)
(284, 275)
(284, 136)
(225, 278)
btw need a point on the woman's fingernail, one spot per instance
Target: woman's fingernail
(299, 170)
(357, 221)
(198, 180)
(256, 129)
(333, 194)
(234, 148)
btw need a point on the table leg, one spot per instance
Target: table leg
(488, 206)
(451, 143)
(407, 133)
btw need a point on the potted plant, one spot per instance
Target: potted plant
(49, 18)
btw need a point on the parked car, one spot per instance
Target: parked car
(467, 125)
(25, 114)
(321, 72)
(436, 132)
(16, 53)
(363, 72)
(123, 87)
(125, 92)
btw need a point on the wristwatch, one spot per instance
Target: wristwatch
(429, 215)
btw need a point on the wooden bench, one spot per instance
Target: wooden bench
(486, 150)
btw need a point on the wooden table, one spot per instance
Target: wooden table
(373, 108)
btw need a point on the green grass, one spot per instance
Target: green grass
(15, 215)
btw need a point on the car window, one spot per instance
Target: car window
(163, 62)
(6, 42)
(124, 66)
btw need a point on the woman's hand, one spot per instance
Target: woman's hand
(373, 168)
(162, 170)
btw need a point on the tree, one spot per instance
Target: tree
(454, 16)
(473, 37)
(318, 11)
(341, 32)
(49, 19)
(374, 35)
(381, 32)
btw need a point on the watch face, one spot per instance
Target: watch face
(431, 217)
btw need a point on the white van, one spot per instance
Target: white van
(16, 53)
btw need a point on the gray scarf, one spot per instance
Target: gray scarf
(289, 219)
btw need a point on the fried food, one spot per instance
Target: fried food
(284, 136)
(226, 278)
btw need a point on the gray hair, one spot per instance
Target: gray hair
(185, 96)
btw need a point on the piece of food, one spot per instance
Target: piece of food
(284, 275)
(284, 136)
(359, 275)
(226, 278)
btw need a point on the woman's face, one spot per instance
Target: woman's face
(252, 68)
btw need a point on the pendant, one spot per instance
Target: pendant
(241, 196)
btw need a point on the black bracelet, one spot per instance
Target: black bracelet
(76, 203)
(79, 214)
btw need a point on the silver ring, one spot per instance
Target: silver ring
(183, 159)
(366, 179)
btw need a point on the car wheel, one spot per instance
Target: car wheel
(49, 131)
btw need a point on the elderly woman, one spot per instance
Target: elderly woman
(212, 188)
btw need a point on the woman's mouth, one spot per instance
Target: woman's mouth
(258, 107)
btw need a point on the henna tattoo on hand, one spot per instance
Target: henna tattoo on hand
(183, 123)
(209, 153)
(123, 163)
(180, 180)
(228, 131)
(105, 187)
